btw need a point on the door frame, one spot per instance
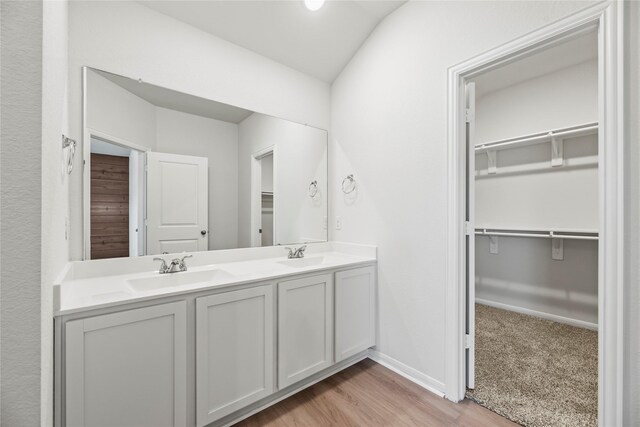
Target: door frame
(608, 19)
(86, 180)
(256, 193)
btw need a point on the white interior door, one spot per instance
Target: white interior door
(470, 94)
(177, 203)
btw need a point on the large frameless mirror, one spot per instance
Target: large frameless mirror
(169, 172)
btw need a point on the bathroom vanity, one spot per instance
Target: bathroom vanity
(238, 331)
(166, 172)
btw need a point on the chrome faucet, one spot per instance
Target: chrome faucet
(171, 268)
(296, 253)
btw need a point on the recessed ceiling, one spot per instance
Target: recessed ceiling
(317, 43)
(572, 52)
(173, 100)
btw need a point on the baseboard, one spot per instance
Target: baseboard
(540, 314)
(408, 372)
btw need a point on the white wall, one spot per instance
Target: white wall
(33, 57)
(523, 276)
(389, 123)
(191, 135)
(301, 157)
(567, 97)
(118, 113)
(129, 39)
(527, 193)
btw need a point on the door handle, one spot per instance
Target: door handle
(203, 232)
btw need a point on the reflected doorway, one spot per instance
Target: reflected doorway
(266, 200)
(117, 200)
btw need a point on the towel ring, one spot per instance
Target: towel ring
(71, 145)
(313, 189)
(348, 184)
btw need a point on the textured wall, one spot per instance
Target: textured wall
(21, 193)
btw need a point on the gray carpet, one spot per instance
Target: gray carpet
(535, 372)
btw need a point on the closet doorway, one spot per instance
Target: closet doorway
(461, 368)
(534, 204)
(264, 190)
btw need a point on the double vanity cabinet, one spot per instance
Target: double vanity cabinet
(212, 356)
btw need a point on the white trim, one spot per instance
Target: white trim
(86, 174)
(540, 314)
(93, 133)
(424, 381)
(608, 18)
(256, 194)
(89, 133)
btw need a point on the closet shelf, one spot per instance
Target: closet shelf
(538, 138)
(541, 234)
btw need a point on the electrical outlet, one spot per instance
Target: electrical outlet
(325, 223)
(338, 223)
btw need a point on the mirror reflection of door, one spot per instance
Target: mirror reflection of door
(266, 200)
(177, 203)
(116, 200)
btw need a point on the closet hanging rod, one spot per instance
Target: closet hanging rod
(539, 234)
(586, 129)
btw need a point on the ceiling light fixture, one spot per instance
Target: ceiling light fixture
(313, 5)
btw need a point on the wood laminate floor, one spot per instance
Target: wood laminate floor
(368, 394)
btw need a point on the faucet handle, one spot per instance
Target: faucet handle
(290, 255)
(180, 262)
(163, 267)
(302, 248)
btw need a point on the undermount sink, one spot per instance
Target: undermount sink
(303, 262)
(172, 280)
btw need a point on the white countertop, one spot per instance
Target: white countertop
(89, 285)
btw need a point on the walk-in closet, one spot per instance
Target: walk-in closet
(536, 211)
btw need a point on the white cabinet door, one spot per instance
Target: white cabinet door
(305, 327)
(355, 311)
(234, 351)
(128, 368)
(177, 203)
